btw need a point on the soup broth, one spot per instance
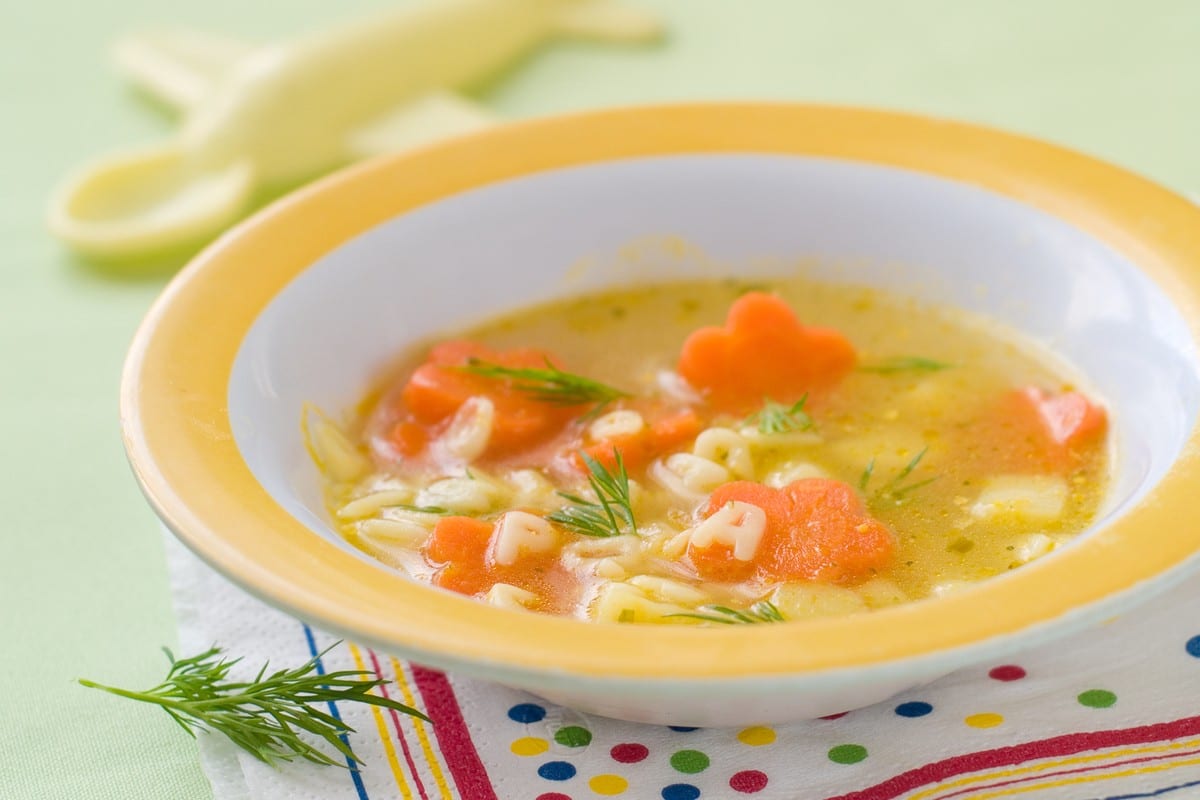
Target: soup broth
(704, 453)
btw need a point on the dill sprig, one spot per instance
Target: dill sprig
(865, 478)
(267, 716)
(420, 509)
(610, 514)
(550, 385)
(776, 418)
(762, 611)
(891, 366)
(895, 489)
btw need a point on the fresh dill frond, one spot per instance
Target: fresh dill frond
(891, 366)
(865, 478)
(549, 385)
(762, 611)
(267, 716)
(421, 509)
(895, 489)
(612, 512)
(776, 418)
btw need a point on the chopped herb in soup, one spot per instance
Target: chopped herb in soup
(701, 454)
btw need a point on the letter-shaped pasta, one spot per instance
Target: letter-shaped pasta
(533, 490)
(371, 504)
(518, 532)
(470, 430)
(331, 449)
(698, 474)
(394, 531)
(622, 602)
(669, 590)
(727, 448)
(674, 385)
(460, 495)
(514, 598)
(802, 599)
(737, 524)
(623, 422)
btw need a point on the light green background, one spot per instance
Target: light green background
(83, 590)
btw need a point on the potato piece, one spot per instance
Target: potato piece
(881, 592)
(1034, 546)
(948, 587)
(1030, 497)
(623, 602)
(801, 600)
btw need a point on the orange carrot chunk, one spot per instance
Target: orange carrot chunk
(439, 387)
(817, 529)
(1060, 426)
(460, 546)
(662, 435)
(408, 438)
(762, 351)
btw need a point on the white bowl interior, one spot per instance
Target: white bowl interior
(564, 232)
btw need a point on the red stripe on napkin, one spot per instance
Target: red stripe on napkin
(1068, 744)
(454, 739)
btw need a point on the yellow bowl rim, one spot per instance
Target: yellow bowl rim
(179, 440)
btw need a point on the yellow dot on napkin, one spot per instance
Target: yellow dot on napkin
(608, 784)
(984, 720)
(530, 746)
(756, 736)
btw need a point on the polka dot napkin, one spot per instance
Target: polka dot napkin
(1111, 714)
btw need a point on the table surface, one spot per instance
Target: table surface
(83, 588)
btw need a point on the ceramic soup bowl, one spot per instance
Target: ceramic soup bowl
(311, 299)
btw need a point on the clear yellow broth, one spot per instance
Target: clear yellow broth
(913, 428)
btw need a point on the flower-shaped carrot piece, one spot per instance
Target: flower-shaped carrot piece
(665, 430)
(762, 351)
(460, 545)
(1059, 425)
(470, 558)
(439, 387)
(816, 529)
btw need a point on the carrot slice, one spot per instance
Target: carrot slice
(816, 529)
(1059, 427)
(460, 545)
(460, 549)
(459, 539)
(408, 438)
(762, 351)
(438, 388)
(661, 435)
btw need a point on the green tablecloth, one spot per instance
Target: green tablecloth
(83, 589)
